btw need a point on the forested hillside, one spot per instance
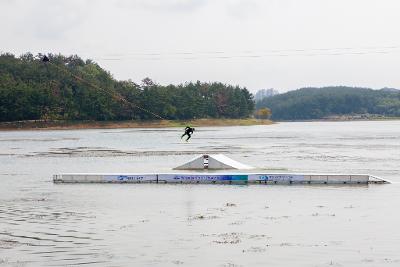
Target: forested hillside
(317, 103)
(69, 88)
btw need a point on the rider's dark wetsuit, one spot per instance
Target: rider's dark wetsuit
(45, 59)
(188, 131)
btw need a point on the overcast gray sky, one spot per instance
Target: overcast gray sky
(284, 44)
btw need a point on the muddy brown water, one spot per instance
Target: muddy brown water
(43, 224)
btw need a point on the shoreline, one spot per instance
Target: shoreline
(81, 125)
(343, 120)
(78, 125)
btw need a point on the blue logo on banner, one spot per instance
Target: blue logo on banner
(122, 177)
(264, 177)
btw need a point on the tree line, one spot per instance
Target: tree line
(70, 88)
(317, 103)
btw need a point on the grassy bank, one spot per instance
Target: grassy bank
(66, 125)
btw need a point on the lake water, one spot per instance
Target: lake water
(46, 224)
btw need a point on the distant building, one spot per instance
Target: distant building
(265, 93)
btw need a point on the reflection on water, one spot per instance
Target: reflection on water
(42, 224)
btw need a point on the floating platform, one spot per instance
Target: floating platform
(218, 178)
(203, 165)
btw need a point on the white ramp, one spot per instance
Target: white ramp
(213, 162)
(222, 162)
(196, 163)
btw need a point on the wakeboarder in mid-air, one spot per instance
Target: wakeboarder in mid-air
(188, 131)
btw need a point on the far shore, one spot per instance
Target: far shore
(344, 119)
(74, 125)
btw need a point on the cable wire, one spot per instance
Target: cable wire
(115, 95)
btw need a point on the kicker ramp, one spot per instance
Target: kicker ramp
(213, 162)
